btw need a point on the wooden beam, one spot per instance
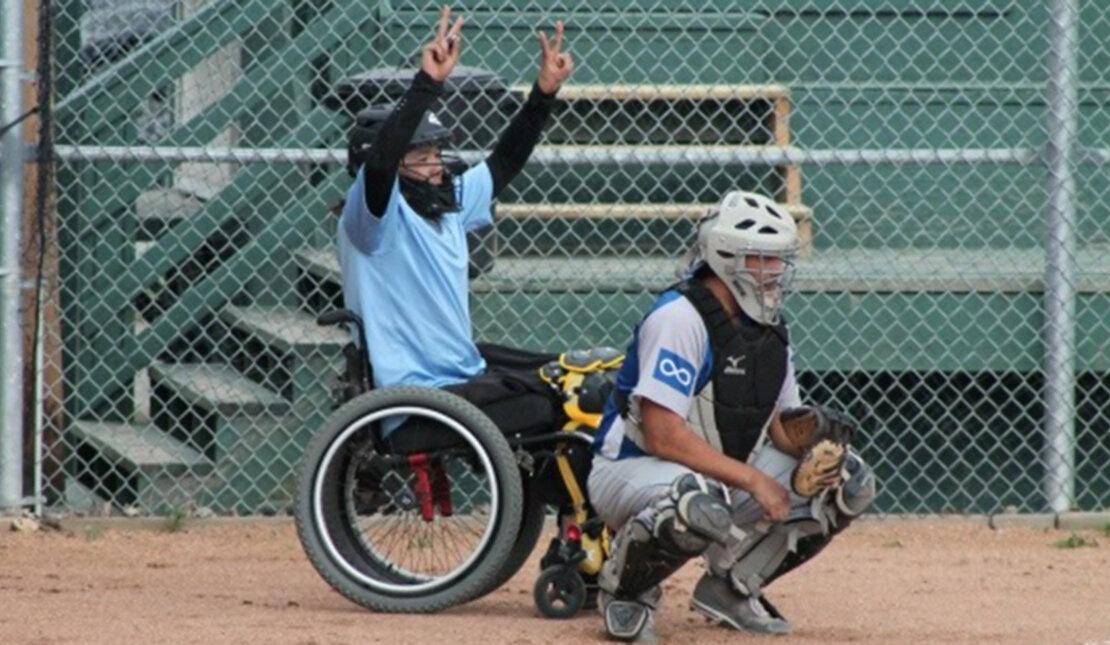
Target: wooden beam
(791, 193)
(665, 92)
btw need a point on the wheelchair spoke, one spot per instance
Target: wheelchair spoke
(408, 522)
(417, 547)
(452, 541)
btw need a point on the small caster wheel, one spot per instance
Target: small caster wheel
(559, 592)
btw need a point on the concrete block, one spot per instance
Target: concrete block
(1083, 521)
(1023, 520)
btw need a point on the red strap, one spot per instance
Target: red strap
(441, 489)
(422, 486)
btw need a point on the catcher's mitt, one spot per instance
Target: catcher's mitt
(819, 438)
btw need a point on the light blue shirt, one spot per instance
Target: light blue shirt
(407, 278)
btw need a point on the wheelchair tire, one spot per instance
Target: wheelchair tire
(531, 527)
(340, 553)
(559, 592)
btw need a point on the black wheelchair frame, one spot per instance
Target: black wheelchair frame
(573, 557)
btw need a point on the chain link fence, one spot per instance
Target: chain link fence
(924, 147)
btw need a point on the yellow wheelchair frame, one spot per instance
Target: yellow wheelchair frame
(581, 548)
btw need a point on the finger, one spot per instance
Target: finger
(441, 29)
(454, 37)
(456, 29)
(566, 62)
(543, 43)
(439, 50)
(558, 36)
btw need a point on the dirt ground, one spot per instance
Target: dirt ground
(881, 582)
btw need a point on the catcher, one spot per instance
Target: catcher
(705, 447)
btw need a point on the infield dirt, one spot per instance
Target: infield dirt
(937, 581)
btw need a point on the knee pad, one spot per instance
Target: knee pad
(858, 487)
(847, 502)
(701, 507)
(663, 537)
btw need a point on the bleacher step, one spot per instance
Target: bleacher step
(159, 209)
(683, 114)
(286, 329)
(670, 155)
(832, 270)
(141, 446)
(217, 388)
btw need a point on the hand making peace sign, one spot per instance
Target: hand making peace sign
(555, 65)
(441, 55)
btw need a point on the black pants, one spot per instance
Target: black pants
(512, 394)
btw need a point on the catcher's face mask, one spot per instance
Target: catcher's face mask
(762, 282)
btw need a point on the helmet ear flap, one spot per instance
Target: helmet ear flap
(368, 122)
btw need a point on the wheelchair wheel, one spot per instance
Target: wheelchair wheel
(560, 591)
(531, 527)
(395, 528)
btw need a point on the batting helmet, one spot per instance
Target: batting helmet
(369, 121)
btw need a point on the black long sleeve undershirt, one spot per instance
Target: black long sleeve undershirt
(520, 137)
(393, 139)
(513, 148)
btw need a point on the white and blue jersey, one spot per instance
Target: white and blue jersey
(669, 362)
(406, 277)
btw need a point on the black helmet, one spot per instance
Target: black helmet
(369, 121)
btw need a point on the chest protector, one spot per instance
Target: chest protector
(749, 368)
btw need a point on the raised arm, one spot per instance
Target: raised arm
(520, 137)
(437, 60)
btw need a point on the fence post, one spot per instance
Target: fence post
(11, 219)
(1060, 292)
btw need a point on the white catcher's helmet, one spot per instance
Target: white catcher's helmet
(748, 224)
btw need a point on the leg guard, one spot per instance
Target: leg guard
(847, 501)
(857, 489)
(761, 553)
(663, 537)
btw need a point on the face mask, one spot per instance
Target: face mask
(430, 200)
(760, 293)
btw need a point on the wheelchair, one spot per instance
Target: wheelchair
(411, 500)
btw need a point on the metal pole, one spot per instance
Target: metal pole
(11, 219)
(1059, 359)
(547, 155)
(39, 402)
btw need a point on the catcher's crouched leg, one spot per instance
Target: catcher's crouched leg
(654, 545)
(764, 556)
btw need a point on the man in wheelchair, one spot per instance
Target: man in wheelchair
(403, 256)
(402, 241)
(402, 236)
